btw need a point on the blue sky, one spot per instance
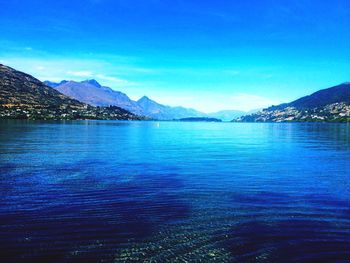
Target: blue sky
(210, 55)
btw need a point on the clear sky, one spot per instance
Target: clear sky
(209, 55)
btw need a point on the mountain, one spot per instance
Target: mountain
(158, 111)
(20, 89)
(327, 105)
(22, 96)
(339, 93)
(91, 92)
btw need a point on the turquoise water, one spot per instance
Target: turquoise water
(104, 191)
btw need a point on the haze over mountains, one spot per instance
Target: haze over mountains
(91, 92)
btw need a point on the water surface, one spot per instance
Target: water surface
(105, 191)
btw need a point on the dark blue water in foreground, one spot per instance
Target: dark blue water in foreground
(104, 191)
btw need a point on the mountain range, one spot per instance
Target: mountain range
(25, 97)
(327, 105)
(91, 92)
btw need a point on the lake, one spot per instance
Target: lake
(109, 191)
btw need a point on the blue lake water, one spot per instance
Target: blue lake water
(105, 191)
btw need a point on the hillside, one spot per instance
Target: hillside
(22, 96)
(336, 94)
(327, 105)
(20, 89)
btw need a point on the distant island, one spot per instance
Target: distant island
(203, 119)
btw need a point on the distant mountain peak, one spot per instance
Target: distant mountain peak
(146, 101)
(92, 82)
(144, 98)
